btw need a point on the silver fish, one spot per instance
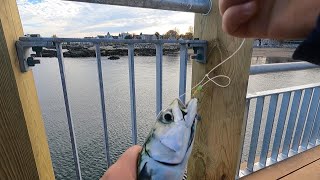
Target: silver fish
(168, 146)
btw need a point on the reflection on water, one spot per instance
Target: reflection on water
(82, 81)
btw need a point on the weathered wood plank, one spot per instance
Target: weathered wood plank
(287, 166)
(310, 172)
(217, 144)
(24, 152)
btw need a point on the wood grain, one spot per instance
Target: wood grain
(217, 145)
(292, 167)
(310, 172)
(24, 151)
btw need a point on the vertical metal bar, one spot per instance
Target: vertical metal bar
(159, 53)
(255, 133)
(103, 105)
(281, 121)
(268, 130)
(243, 133)
(302, 119)
(311, 117)
(291, 123)
(68, 111)
(315, 129)
(132, 93)
(183, 72)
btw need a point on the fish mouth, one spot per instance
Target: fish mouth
(191, 139)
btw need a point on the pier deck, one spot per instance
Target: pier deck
(302, 166)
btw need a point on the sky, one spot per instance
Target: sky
(76, 19)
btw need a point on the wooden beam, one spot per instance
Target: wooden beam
(218, 139)
(24, 151)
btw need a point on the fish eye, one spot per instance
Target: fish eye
(167, 117)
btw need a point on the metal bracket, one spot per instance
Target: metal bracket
(24, 57)
(200, 52)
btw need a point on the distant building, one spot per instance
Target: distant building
(87, 43)
(148, 37)
(123, 35)
(136, 36)
(115, 37)
(101, 36)
(108, 36)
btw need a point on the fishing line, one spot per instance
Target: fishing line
(202, 83)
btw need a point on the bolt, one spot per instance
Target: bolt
(32, 62)
(196, 56)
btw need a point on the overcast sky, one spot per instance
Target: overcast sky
(74, 19)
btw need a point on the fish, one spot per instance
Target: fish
(165, 153)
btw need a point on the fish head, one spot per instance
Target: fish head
(173, 132)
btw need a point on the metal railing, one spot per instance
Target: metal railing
(289, 116)
(307, 128)
(25, 43)
(196, 6)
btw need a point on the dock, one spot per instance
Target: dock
(301, 166)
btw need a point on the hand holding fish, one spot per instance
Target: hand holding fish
(166, 151)
(126, 166)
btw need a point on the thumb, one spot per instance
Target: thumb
(130, 157)
(125, 167)
(236, 16)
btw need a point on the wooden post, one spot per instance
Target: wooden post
(218, 138)
(24, 151)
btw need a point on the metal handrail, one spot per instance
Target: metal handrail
(280, 67)
(26, 42)
(105, 40)
(300, 134)
(196, 6)
(281, 90)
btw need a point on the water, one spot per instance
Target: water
(82, 81)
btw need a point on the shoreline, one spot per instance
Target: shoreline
(89, 51)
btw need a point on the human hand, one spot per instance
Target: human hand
(277, 19)
(126, 166)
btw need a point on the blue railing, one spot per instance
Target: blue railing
(289, 116)
(25, 43)
(306, 132)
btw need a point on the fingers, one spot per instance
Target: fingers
(225, 4)
(125, 167)
(130, 157)
(236, 16)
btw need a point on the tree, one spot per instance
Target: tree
(54, 36)
(190, 29)
(171, 34)
(188, 36)
(177, 30)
